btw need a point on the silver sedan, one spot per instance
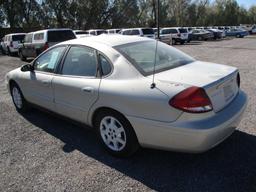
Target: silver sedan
(135, 92)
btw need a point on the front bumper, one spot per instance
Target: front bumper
(191, 135)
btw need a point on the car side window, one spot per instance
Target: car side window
(105, 65)
(49, 60)
(135, 32)
(80, 61)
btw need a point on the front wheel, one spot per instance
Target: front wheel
(116, 134)
(18, 99)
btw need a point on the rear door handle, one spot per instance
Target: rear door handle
(88, 89)
(46, 82)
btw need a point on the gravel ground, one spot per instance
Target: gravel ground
(42, 152)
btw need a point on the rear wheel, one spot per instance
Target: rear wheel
(116, 134)
(20, 103)
(173, 42)
(22, 57)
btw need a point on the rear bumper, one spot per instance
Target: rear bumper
(194, 135)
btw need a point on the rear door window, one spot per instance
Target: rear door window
(135, 32)
(59, 36)
(80, 61)
(39, 36)
(127, 32)
(148, 31)
(18, 37)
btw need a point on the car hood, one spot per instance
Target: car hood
(197, 73)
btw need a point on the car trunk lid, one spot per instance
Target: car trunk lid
(219, 81)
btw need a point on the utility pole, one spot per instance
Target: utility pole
(158, 27)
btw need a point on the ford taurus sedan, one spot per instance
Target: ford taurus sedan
(133, 91)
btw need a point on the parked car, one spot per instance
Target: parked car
(113, 31)
(240, 33)
(81, 33)
(143, 32)
(253, 31)
(11, 43)
(93, 32)
(174, 35)
(217, 34)
(201, 35)
(1, 45)
(37, 42)
(106, 83)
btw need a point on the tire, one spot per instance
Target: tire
(116, 133)
(200, 38)
(174, 42)
(22, 57)
(182, 42)
(18, 99)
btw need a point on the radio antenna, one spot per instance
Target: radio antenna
(153, 85)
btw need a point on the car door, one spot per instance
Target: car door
(37, 84)
(76, 87)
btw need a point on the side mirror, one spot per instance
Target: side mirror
(27, 67)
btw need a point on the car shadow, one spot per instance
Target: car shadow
(229, 167)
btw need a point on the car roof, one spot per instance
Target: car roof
(109, 40)
(57, 29)
(15, 34)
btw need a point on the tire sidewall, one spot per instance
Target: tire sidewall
(24, 106)
(131, 139)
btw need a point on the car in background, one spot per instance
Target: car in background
(81, 33)
(217, 34)
(191, 107)
(253, 31)
(95, 32)
(37, 42)
(201, 35)
(1, 45)
(11, 43)
(174, 35)
(142, 32)
(113, 31)
(239, 33)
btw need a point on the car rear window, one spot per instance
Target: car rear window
(148, 31)
(183, 30)
(143, 56)
(59, 36)
(18, 37)
(81, 32)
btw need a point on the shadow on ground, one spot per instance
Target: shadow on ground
(229, 167)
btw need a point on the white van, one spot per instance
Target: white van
(11, 43)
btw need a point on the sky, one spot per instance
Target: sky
(247, 3)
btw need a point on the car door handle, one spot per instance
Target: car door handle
(88, 89)
(46, 82)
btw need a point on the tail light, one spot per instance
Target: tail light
(238, 79)
(46, 46)
(11, 44)
(192, 100)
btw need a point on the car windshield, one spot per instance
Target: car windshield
(61, 35)
(18, 37)
(148, 31)
(143, 56)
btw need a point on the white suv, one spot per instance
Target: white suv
(174, 35)
(11, 43)
(143, 32)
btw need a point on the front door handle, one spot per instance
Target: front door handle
(88, 89)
